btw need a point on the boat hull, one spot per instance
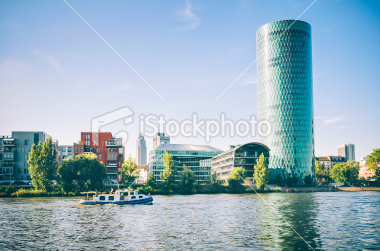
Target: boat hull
(148, 200)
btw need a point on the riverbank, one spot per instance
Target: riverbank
(358, 189)
(12, 192)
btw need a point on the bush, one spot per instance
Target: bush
(29, 193)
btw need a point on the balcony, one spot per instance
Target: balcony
(111, 172)
(111, 164)
(7, 163)
(113, 143)
(88, 150)
(8, 142)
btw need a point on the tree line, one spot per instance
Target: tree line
(85, 172)
(348, 172)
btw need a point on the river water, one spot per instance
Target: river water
(276, 221)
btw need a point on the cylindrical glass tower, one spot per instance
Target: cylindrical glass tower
(285, 96)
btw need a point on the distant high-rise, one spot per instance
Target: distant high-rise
(285, 96)
(141, 151)
(159, 139)
(347, 151)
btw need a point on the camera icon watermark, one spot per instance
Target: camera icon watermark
(124, 113)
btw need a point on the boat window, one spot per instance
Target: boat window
(102, 198)
(111, 197)
(140, 196)
(133, 197)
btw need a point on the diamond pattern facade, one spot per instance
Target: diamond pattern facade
(285, 95)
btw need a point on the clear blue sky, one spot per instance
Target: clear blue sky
(56, 74)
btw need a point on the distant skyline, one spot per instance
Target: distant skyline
(57, 74)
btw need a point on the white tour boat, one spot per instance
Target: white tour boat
(120, 197)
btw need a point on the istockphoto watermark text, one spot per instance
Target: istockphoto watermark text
(194, 126)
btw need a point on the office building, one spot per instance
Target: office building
(285, 96)
(194, 157)
(141, 153)
(108, 149)
(159, 139)
(330, 161)
(245, 156)
(24, 141)
(347, 151)
(64, 152)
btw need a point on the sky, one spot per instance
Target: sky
(175, 58)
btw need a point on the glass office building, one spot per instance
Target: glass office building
(245, 156)
(194, 157)
(285, 95)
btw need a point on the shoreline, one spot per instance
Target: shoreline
(289, 190)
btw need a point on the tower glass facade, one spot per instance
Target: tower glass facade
(285, 95)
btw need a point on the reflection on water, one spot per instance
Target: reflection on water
(326, 221)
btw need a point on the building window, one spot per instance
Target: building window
(100, 156)
(36, 138)
(26, 142)
(87, 140)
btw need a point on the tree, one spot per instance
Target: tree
(128, 172)
(348, 172)
(308, 180)
(187, 180)
(236, 179)
(169, 174)
(151, 182)
(214, 181)
(84, 172)
(320, 171)
(373, 162)
(261, 174)
(42, 165)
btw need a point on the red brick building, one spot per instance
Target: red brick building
(109, 150)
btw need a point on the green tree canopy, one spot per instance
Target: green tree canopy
(128, 172)
(42, 165)
(373, 162)
(236, 179)
(84, 172)
(151, 182)
(261, 173)
(169, 174)
(214, 181)
(320, 169)
(187, 180)
(348, 172)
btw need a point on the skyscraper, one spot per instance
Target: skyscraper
(347, 151)
(141, 151)
(285, 95)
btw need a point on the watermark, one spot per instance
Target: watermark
(194, 126)
(151, 124)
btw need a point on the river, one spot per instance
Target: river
(275, 221)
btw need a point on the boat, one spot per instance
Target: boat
(120, 197)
